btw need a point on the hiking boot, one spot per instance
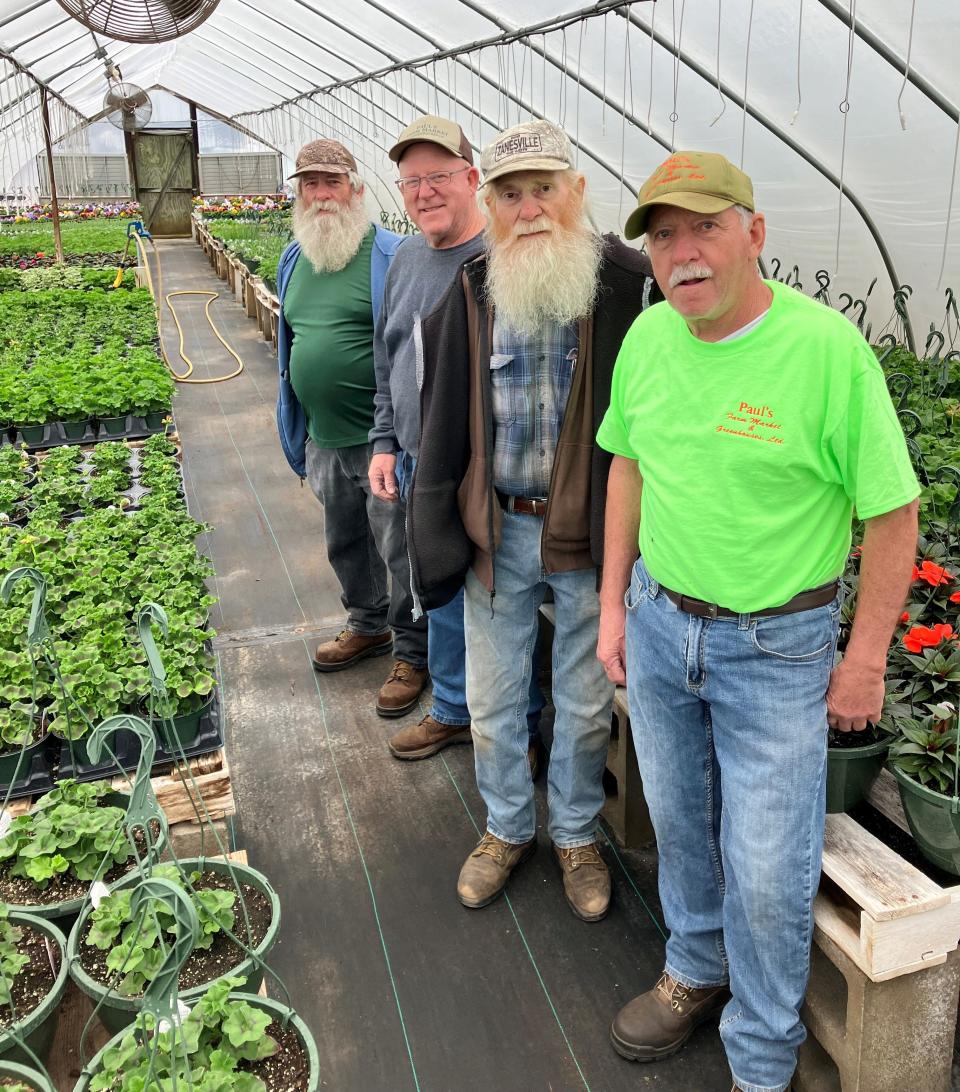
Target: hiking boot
(657, 1023)
(586, 880)
(347, 648)
(486, 871)
(403, 687)
(426, 738)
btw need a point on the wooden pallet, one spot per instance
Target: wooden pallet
(177, 794)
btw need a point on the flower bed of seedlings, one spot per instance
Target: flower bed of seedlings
(91, 243)
(69, 211)
(73, 354)
(256, 240)
(108, 528)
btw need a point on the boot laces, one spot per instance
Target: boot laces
(491, 846)
(674, 992)
(401, 672)
(578, 856)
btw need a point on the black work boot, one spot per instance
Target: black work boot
(657, 1023)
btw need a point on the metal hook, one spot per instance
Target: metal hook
(936, 336)
(37, 629)
(902, 389)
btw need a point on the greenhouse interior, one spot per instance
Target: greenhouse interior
(374, 512)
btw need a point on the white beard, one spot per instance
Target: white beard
(330, 242)
(552, 278)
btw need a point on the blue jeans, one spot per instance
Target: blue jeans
(500, 649)
(730, 723)
(446, 650)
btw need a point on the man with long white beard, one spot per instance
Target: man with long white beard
(330, 302)
(508, 496)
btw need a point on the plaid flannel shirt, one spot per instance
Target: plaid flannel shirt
(530, 376)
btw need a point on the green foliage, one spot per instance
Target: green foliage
(258, 242)
(100, 569)
(69, 354)
(926, 748)
(12, 961)
(203, 1053)
(70, 830)
(138, 948)
(88, 237)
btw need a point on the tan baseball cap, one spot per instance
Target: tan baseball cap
(433, 130)
(324, 155)
(530, 146)
(696, 181)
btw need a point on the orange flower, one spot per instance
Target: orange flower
(905, 617)
(955, 598)
(934, 575)
(921, 637)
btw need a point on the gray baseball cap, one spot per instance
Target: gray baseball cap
(530, 146)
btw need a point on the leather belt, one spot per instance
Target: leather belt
(526, 506)
(805, 600)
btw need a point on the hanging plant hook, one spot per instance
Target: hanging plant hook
(899, 384)
(143, 808)
(160, 995)
(38, 632)
(148, 614)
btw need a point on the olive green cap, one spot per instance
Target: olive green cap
(696, 181)
(433, 130)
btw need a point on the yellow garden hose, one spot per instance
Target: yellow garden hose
(156, 294)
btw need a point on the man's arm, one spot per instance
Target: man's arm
(855, 694)
(382, 470)
(621, 530)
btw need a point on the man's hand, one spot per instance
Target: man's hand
(383, 477)
(854, 696)
(611, 644)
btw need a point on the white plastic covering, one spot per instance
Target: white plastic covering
(680, 69)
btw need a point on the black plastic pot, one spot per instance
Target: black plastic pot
(74, 430)
(851, 771)
(113, 426)
(37, 1028)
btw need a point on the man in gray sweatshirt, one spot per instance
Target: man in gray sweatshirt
(438, 182)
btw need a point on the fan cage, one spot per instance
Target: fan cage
(140, 20)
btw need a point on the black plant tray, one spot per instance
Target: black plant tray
(37, 779)
(126, 747)
(54, 436)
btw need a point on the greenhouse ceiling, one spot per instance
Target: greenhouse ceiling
(843, 111)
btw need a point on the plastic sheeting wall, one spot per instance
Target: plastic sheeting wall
(673, 77)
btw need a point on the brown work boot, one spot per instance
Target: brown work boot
(486, 871)
(426, 738)
(657, 1023)
(347, 648)
(403, 687)
(586, 880)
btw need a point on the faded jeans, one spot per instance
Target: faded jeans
(730, 724)
(365, 537)
(446, 650)
(500, 646)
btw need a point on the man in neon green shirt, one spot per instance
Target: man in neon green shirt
(747, 423)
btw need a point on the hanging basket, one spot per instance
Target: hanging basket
(140, 20)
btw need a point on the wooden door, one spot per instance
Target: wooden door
(164, 171)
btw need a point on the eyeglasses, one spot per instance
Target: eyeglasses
(436, 180)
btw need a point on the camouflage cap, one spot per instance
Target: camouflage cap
(697, 181)
(530, 146)
(430, 129)
(324, 155)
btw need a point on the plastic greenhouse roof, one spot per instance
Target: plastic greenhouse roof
(861, 94)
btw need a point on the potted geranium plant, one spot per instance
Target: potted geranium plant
(33, 975)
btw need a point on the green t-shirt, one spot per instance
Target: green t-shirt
(754, 451)
(331, 359)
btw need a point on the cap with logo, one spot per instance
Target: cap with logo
(697, 181)
(530, 146)
(324, 155)
(433, 130)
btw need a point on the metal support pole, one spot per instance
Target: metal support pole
(54, 204)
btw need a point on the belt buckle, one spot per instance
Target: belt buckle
(712, 610)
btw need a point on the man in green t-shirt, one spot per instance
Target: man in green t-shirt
(330, 282)
(747, 422)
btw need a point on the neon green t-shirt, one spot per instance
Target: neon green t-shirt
(754, 452)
